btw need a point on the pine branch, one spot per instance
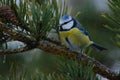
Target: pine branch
(59, 50)
(97, 66)
(15, 51)
(16, 35)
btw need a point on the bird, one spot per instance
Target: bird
(74, 36)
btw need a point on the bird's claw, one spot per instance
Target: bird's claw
(79, 56)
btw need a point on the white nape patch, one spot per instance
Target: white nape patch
(69, 25)
(61, 21)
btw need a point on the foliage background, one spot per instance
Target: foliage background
(91, 17)
(36, 61)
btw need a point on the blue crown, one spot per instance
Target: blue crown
(66, 16)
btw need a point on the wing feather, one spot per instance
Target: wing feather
(79, 26)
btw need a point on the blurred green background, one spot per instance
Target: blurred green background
(91, 18)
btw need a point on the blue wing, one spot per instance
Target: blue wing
(79, 26)
(83, 30)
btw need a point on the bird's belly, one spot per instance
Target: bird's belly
(79, 40)
(76, 38)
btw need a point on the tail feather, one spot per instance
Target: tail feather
(96, 46)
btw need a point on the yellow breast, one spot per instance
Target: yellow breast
(76, 37)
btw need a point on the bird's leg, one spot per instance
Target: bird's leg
(80, 54)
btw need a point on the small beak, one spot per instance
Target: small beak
(58, 27)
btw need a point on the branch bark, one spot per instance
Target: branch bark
(17, 35)
(59, 50)
(15, 51)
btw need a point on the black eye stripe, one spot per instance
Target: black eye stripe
(66, 22)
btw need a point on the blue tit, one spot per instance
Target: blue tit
(74, 36)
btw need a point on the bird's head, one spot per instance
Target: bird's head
(66, 22)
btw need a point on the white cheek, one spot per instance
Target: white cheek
(68, 25)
